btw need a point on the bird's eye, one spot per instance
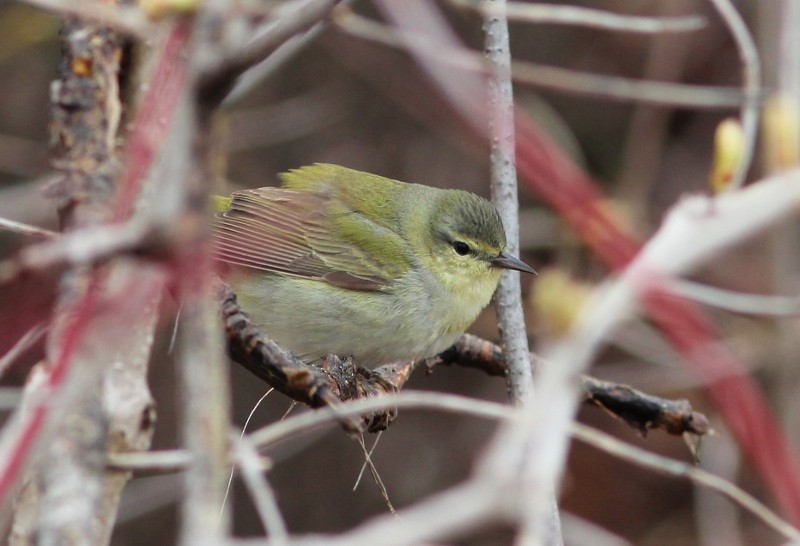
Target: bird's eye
(461, 248)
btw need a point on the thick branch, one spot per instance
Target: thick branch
(342, 380)
(639, 410)
(72, 498)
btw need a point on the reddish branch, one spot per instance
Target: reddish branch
(140, 152)
(156, 109)
(83, 123)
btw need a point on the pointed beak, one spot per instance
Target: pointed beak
(507, 261)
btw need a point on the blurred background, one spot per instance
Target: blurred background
(354, 102)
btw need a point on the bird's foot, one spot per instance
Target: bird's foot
(356, 382)
(376, 383)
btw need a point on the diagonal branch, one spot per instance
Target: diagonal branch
(221, 70)
(341, 381)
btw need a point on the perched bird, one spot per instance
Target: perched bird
(345, 262)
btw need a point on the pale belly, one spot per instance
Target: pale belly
(313, 319)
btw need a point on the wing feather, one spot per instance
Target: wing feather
(306, 234)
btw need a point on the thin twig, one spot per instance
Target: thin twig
(244, 430)
(638, 409)
(751, 76)
(261, 492)
(548, 77)
(84, 247)
(160, 461)
(219, 74)
(203, 377)
(368, 458)
(23, 344)
(27, 229)
(678, 469)
(374, 472)
(738, 302)
(457, 404)
(260, 72)
(586, 17)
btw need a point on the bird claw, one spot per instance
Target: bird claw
(356, 382)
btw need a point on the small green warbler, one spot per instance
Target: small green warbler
(350, 263)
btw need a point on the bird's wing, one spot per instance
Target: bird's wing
(308, 235)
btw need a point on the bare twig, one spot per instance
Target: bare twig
(106, 404)
(751, 76)
(244, 431)
(220, 72)
(26, 229)
(374, 472)
(87, 246)
(260, 491)
(23, 344)
(205, 408)
(671, 467)
(738, 302)
(163, 461)
(592, 18)
(547, 77)
(639, 410)
(263, 70)
(643, 411)
(83, 148)
(508, 298)
(367, 461)
(277, 432)
(544, 524)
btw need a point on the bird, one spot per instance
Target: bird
(343, 262)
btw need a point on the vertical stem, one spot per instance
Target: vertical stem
(751, 75)
(508, 299)
(205, 406)
(203, 369)
(94, 398)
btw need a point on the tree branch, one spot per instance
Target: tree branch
(342, 381)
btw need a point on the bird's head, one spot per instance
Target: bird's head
(467, 245)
